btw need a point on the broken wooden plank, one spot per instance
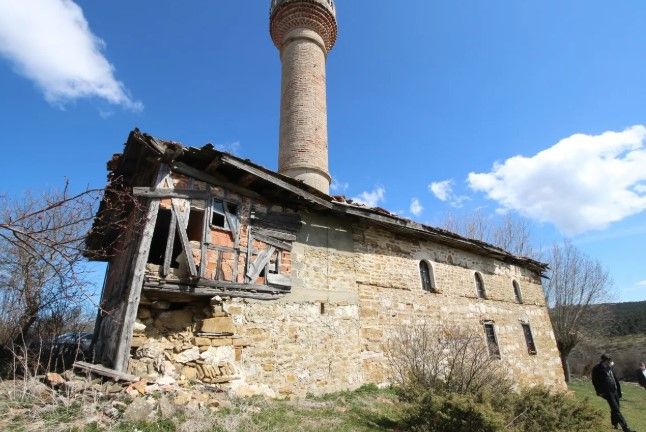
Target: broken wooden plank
(279, 279)
(171, 193)
(106, 372)
(256, 267)
(232, 222)
(274, 242)
(280, 235)
(183, 237)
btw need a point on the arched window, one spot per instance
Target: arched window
(517, 294)
(480, 288)
(426, 273)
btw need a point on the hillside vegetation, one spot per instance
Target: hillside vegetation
(622, 333)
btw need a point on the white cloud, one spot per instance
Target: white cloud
(371, 198)
(581, 183)
(338, 186)
(641, 283)
(443, 190)
(415, 207)
(50, 42)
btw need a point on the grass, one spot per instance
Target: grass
(633, 404)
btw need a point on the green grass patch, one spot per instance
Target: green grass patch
(63, 414)
(633, 404)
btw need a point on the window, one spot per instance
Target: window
(529, 339)
(492, 341)
(160, 237)
(517, 294)
(218, 215)
(195, 224)
(480, 288)
(426, 273)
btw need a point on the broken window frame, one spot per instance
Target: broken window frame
(222, 207)
(492, 340)
(529, 338)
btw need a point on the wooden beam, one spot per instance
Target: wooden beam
(171, 193)
(277, 181)
(274, 233)
(213, 291)
(122, 353)
(274, 242)
(206, 237)
(234, 285)
(106, 372)
(170, 244)
(182, 168)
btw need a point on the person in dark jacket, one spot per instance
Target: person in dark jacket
(641, 375)
(607, 386)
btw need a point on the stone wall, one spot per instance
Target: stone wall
(353, 285)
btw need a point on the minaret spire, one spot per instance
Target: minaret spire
(304, 31)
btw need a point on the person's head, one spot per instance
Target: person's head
(606, 360)
(642, 366)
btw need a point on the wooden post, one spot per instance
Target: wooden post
(122, 354)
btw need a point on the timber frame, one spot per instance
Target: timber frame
(180, 254)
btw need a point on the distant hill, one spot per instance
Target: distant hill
(629, 318)
(618, 329)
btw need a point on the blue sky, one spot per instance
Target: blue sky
(420, 92)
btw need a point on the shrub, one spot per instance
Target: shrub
(451, 413)
(539, 410)
(442, 359)
(531, 410)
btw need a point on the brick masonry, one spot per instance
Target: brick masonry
(304, 32)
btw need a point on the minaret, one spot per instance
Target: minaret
(304, 31)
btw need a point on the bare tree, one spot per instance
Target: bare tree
(42, 263)
(44, 276)
(442, 358)
(576, 282)
(507, 232)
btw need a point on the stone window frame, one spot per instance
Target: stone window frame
(481, 291)
(518, 294)
(530, 342)
(491, 339)
(431, 287)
